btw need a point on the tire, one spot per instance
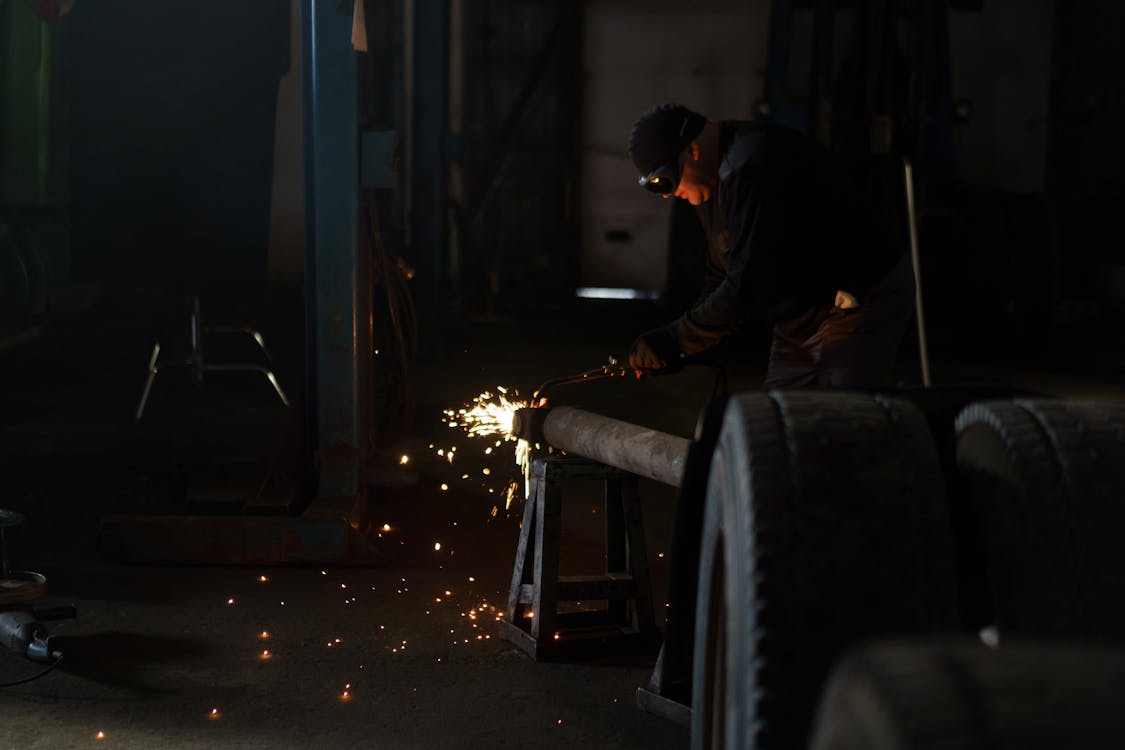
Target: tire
(964, 696)
(940, 407)
(825, 523)
(1047, 485)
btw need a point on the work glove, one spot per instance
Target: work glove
(655, 350)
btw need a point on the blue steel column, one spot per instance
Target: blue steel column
(428, 181)
(335, 292)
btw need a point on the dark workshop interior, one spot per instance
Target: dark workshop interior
(281, 283)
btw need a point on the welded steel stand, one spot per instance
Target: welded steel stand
(331, 530)
(532, 620)
(199, 365)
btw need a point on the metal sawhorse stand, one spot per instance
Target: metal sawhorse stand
(199, 366)
(532, 619)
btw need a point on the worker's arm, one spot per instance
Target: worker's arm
(726, 303)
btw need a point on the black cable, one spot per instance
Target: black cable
(389, 272)
(34, 677)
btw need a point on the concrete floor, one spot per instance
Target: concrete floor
(170, 657)
(155, 650)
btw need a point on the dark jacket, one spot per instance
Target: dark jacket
(786, 229)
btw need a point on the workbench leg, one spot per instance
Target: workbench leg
(616, 545)
(548, 521)
(523, 572)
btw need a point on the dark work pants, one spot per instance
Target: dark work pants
(830, 347)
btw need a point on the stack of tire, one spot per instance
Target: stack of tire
(831, 521)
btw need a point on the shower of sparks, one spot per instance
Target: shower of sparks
(489, 414)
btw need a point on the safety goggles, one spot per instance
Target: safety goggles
(664, 179)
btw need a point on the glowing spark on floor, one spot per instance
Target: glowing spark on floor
(230, 601)
(99, 736)
(265, 655)
(437, 546)
(444, 486)
(404, 460)
(264, 635)
(214, 714)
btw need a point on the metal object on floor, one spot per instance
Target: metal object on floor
(199, 365)
(21, 629)
(533, 620)
(668, 691)
(639, 450)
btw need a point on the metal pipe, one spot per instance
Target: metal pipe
(640, 450)
(923, 349)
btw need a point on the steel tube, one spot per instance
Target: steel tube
(640, 450)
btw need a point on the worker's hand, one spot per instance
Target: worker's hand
(654, 350)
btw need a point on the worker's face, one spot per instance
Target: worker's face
(694, 187)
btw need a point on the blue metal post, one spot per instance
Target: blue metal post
(336, 269)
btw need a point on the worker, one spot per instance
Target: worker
(790, 238)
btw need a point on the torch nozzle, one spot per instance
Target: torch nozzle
(612, 369)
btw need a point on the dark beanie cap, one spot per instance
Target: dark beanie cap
(661, 133)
